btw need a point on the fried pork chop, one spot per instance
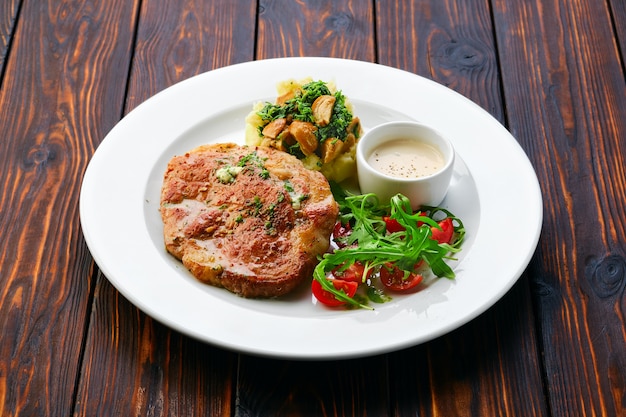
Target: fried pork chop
(251, 220)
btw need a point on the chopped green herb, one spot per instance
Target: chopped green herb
(253, 160)
(258, 205)
(299, 108)
(271, 209)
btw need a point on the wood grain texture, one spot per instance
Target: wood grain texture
(448, 41)
(566, 101)
(58, 85)
(496, 354)
(170, 373)
(269, 387)
(177, 40)
(8, 17)
(329, 28)
(552, 71)
(618, 13)
(452, 42)
(149, 369)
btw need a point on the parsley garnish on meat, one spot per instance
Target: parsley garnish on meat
(227, 173)
(255, 160)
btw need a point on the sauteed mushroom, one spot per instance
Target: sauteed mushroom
(323, 109)
(304, 133)
(273, 128)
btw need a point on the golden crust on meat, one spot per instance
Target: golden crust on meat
(251, 220)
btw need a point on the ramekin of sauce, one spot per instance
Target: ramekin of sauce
(408, 158)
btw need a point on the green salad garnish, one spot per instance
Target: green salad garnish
(388, 241)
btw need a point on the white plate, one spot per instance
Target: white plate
(494, 190)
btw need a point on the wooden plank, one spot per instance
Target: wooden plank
(341, 29)
(8, 17)
(171, 374)
(178, 40)
(134, 363)
(272, 387)
(61, 84)
(269, 387)
(451, 42)
(618, 12)
(564, 92)
(496, 354)
(447, 41)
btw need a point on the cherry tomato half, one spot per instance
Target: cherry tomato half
(328, 298)
(354, 272)
(392, 225)
(341, 232)
(443, 235)
(392, 278)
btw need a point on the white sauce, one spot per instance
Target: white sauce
(406, 158)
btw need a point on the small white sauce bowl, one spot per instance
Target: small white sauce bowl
(428, 190)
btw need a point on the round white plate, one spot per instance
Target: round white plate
(494, 190)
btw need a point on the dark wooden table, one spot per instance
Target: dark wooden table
(551, 71)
